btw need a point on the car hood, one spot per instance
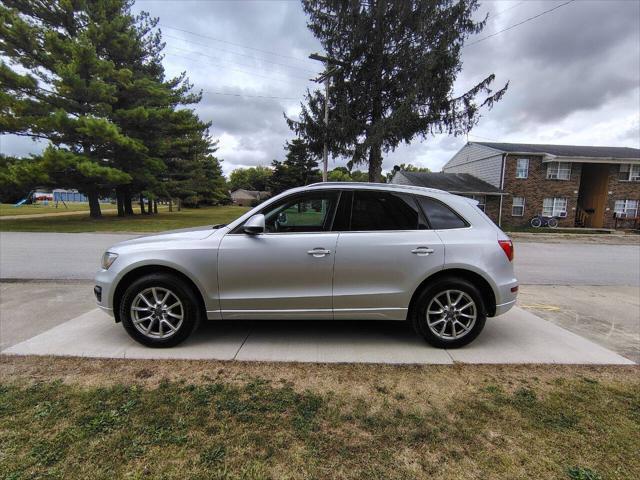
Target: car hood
(197, 233)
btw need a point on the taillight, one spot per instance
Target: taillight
(507, 247)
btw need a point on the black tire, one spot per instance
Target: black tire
(419, 312)
(536, 222)
(189, 309)
(553, 223)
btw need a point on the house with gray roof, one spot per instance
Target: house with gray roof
(584, 186)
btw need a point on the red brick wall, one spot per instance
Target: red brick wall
(535, 188)
(620, 190)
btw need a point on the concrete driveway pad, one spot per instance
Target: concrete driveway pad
(516, 337)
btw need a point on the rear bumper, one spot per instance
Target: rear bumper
(506, 296)
(504, 307)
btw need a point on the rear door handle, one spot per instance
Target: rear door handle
(422, 251)
(319, 252)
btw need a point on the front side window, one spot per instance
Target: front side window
(559, 171)
(522, 168)
(626, 208)
(308, 212)
(517, 208)
(554, 207)
(374, 211)
(440, 216)
(629, 172)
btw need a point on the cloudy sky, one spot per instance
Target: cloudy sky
(574, 74)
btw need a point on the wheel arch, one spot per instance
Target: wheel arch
(483, 285)
(138, 272)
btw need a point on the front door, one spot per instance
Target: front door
(287, 271)
(384, 253)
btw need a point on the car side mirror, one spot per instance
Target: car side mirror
(254, 225)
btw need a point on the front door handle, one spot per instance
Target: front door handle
(422, 251)
(319, 252)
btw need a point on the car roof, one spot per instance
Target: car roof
(372, 186)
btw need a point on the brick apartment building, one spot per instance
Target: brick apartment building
(580, 185)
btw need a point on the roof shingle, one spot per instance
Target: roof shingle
(565, 150)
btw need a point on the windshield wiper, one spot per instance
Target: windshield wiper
(219, 225)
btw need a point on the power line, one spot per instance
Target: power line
(505, 10)
(235, 44)
(231, 69)
(240, 54)
(519, 23)
(249, 96)
(220, 60)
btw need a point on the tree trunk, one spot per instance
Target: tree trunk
(170, 205)
(179, 204)
(375, 164)
(155, 206)
(128, 207)
(120, 201)
(141, 205)
(149, 206)
(94, 205)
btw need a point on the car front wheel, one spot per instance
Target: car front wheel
(159, 310)
(450, 313)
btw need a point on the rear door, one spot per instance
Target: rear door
(385, 250)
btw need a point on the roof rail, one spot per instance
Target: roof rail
(377, 185)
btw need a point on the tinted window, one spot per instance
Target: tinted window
(440, 216)
(342, 220)
(310, 212)
(383, 211)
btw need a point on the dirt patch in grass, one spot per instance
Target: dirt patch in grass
(199, 419)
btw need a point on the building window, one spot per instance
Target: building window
(629, 172)
(559, 171)
(481, 199)
(522, 168)
(517, 209)
(626, 208)
(554, 207)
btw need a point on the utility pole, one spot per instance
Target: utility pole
(329, 69)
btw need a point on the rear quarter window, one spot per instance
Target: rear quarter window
(440, 216)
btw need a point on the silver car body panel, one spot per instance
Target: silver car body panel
(364, 275)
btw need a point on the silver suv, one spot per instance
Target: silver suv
(327, 251)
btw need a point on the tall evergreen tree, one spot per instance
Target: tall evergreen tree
(58, 87)
(402, 58)
(299, 168)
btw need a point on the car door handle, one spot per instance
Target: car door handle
(319, 252)
(422, 251)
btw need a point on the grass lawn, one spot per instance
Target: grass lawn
(9, 209)
(138, 223)
(104, 419)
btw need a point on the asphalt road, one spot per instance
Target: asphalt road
(77, 256)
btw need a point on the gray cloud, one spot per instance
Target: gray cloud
(574, 73)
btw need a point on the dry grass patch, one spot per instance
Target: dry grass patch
(76, 418)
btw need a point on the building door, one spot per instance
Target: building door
(592, 196)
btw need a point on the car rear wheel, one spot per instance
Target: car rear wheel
(159, 310)
(450, 313)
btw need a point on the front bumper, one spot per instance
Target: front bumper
(102, 291)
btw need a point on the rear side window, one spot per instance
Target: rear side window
(440, 216)
(373, 210)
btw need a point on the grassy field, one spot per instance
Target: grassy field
(70, 418)
(9, 209)
(138, 223)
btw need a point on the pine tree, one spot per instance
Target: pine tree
(58, 87)
(299, 168)
(401, 61)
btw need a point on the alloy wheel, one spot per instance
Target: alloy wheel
(157, 312)
(451, 314)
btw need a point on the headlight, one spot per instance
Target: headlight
(108, 258)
